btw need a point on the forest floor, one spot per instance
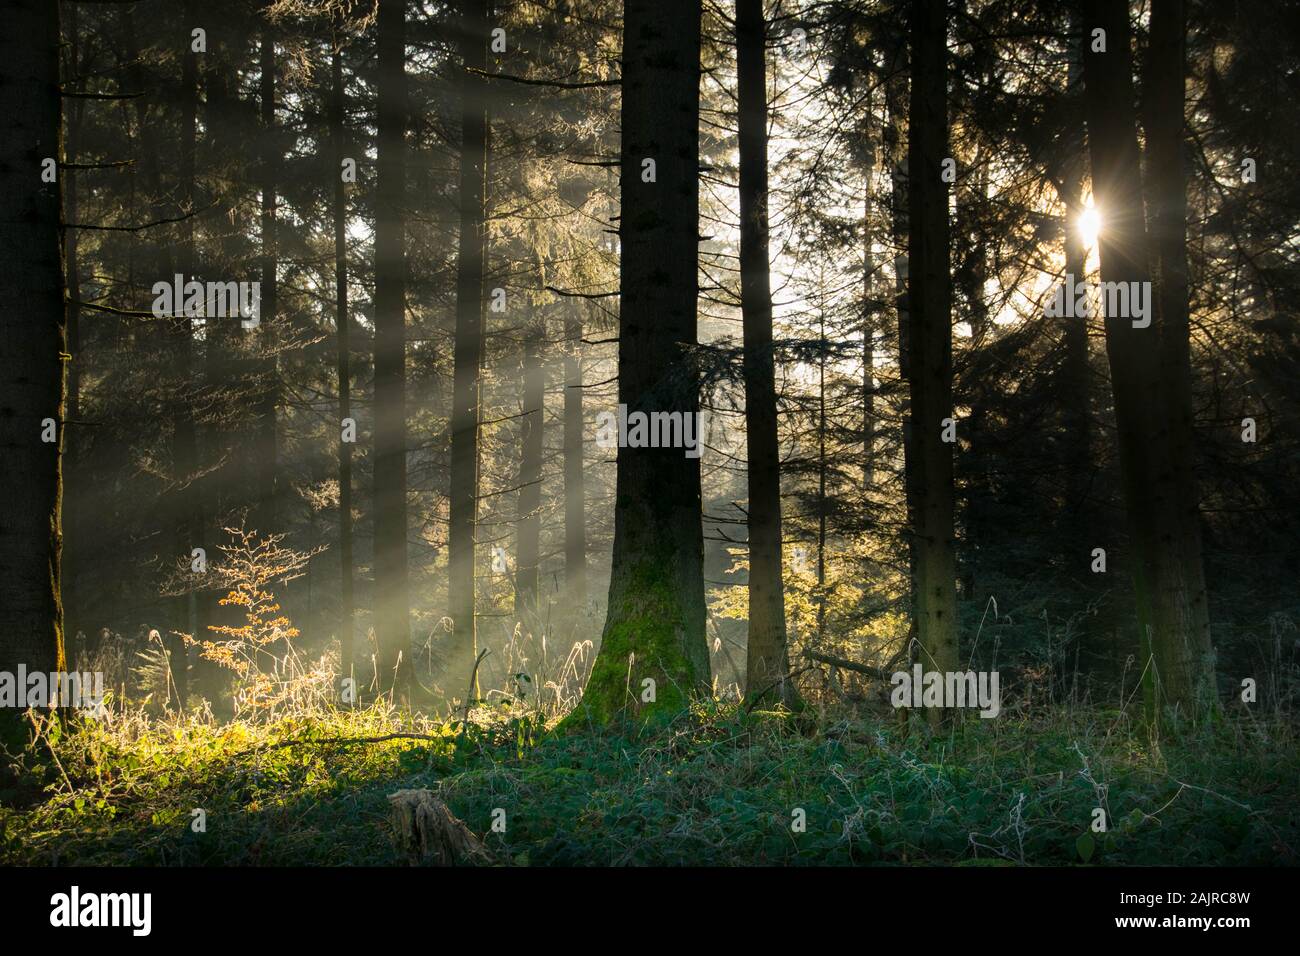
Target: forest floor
(716, 787)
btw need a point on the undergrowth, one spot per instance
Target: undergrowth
(718, 786)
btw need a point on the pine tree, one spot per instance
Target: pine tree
(929, 366)
(652, 654)
(33, 386)
(391, 596)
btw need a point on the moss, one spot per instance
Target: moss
(647, 636)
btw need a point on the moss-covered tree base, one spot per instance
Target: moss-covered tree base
(652, 657)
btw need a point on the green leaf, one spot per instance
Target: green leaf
(1085, 845)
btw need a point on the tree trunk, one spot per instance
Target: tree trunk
(930, 341)
(163, 261)
(468, 358)
(269, 166)
(768, 663)
(1077, 386)
(221, 124)
(896, 96)
(188, 522)
(1176, 654)
(653, 655)
(391, 611)
(529, 521)
(347, 598)
(73, 457)
(575, 487)
(870, 304)
(976, 461)
(33, 383)
(821, 475)
(1167, 207)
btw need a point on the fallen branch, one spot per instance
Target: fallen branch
(879, 673)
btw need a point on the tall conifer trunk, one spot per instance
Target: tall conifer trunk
(75, 492)
(652, 654)
(1177, 658)
(1167, 205)
(896, 96)
(339, 213)
(930, 342)
(188, 525)
(268, 385)
(575, 482)
(1077, 386)
(33, 377)
(768, 661)
(529, 527)
(391, 597)
(468, 349)
(870, 297)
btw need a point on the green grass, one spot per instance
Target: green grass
(716, 787)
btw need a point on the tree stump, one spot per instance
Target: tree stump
(431, 835)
